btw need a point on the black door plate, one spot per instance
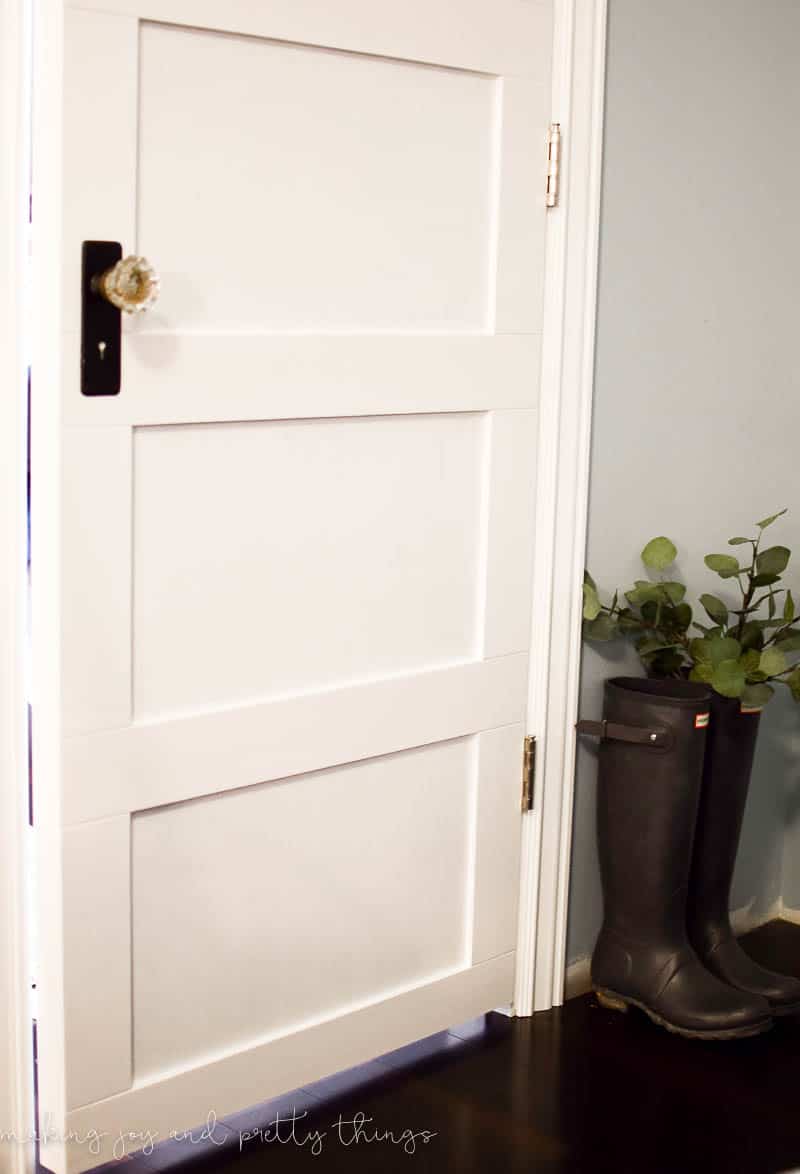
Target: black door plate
(101, 343)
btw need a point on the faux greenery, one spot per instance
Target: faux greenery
(743, 652)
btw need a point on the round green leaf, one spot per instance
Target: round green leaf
(602, 628)
(724, 564)
(591, 603)
(757, 695)
(659, 553)
(715, 608)
(773, 561)
(752, 635)
(750, 661)
(772, 662)
(702, 672)
(790, 643)
(683, 616)
(728, 678)
(765, 580)
(700, 651)
(673, 591)
(737, 541)
(724, 648)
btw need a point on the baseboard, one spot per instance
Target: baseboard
(578, 979)
(746, 919)
(787, 914)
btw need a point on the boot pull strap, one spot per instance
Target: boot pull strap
(658, 739)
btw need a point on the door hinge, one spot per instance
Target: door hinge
(553, 164)
(528, 772)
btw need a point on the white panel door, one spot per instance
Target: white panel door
(282, 823)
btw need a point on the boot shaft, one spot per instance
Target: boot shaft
(729, 756)
(647, 807)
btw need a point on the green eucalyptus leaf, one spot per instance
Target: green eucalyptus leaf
(771, 607)
(793, 682)
(750, 661)
(737, 541)
(724, 648)
(673, 591)
(788, 607)
(757, 695)
(702, 672)
(587, 578)
(765, 580)
(700, 651)
(602, 628)
(790, 643)
(643, 592)
(715, 608)
(650, 645)
(762, 525)
(772, 662)
(723, 564)
(659, 554)
(683, 616)
(773, 561)
(752, 635)
(728, 678)
(591, 602)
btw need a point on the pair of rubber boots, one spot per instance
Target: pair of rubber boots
(674, 771)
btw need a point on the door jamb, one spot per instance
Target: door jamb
(562, 490)
(16, 1040)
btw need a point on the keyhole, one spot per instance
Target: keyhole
(101, 346)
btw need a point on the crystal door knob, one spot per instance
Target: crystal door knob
(132, 285)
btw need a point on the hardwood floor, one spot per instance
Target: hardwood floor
(574, 1089)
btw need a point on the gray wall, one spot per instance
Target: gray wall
(697, 396)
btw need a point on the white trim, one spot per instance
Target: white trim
(561, 501)
(746, 919)
(16, 1096)
(578, 979)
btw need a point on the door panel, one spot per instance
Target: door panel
(356, 190)
(383, 580)
(296, 548)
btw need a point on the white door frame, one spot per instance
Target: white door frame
(16, 1075)
(562, 492)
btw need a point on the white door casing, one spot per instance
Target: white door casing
(283, 603)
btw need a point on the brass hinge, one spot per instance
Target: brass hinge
(528, 772)
(553, 164)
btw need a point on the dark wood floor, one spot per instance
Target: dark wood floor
(574, 1089)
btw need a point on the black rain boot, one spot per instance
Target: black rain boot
(650, 771)
(726, 780)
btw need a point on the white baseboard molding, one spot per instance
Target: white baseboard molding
(578, 979)
(746, 919)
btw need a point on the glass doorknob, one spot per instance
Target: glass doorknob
(132, 285)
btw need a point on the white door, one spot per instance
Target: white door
(278, 780)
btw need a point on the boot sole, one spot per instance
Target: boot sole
(788, 1009)
(614, 1002)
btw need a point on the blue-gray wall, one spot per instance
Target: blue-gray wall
(696, 427)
